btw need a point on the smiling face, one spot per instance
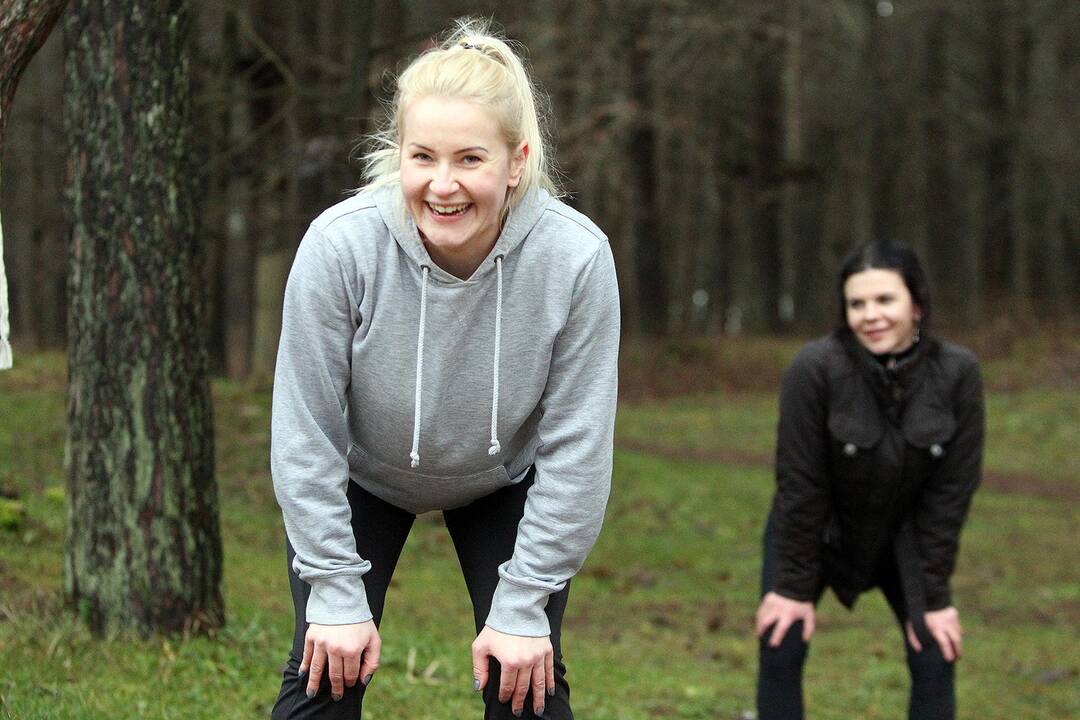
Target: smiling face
(456, 173)
(880, 310)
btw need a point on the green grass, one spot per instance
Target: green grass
(659, 624)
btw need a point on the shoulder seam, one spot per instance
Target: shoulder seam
(325, 224)
(594, 231)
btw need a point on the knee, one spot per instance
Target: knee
(929, 664)
(788, 657)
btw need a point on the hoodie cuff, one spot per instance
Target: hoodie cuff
(517, 610)
(338, 600)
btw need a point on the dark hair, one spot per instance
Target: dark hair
(881, 255)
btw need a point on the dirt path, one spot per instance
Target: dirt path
(1009, 483)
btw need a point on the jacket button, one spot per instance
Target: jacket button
(936, 450)
(850, 449)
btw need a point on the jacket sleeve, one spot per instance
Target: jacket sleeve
(309, 432)
(946, 497)
(802, 494)
(565, 506)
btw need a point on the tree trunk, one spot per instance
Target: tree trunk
(24, 25)
(23, 138)
(941, 227)
(1017, 45)
(271, 273)
(1049, 143)
(791, 87)
(144, 548)
(50, 235)
(237, 273)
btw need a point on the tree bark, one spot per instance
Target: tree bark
(1017, 44)
(24, 25)
(237, 272)
(941, 227)
(144, 547)
(791, 87)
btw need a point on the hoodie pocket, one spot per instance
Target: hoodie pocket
(417, 492)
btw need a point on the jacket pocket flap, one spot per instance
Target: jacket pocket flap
(929, 426)
(861, 430)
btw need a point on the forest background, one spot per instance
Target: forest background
(733, 152)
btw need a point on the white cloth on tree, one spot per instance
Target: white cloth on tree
(5, 345)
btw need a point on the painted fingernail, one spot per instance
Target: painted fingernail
(519, 712)
(310, 693)
(476, 684)
(336, 696)
(367, 679)
(551, 691)
(540, 712)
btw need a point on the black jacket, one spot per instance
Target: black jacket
(872, 460)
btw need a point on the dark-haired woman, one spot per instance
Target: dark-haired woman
(879, 450)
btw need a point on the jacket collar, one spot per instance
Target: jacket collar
(894, 381)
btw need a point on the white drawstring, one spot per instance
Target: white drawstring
(415, 454)
(495, 447)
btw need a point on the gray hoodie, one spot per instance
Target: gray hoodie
(430, 392)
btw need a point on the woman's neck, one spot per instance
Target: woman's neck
(461, 264)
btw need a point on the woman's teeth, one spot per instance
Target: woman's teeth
(448, 209)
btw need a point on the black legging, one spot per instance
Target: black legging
(484, 533)
(779, 689)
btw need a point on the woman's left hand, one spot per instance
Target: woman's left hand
(944, 626)
(525, 661)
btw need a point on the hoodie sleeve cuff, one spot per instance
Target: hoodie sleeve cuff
(517, 610)
(338, 600)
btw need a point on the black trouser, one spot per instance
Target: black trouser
(484, 533)
(779, 689)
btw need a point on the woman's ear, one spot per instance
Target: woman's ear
(517, 164)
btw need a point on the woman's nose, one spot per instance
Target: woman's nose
(443, 182)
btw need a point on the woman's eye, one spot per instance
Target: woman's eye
(421, 156)
(472, 160)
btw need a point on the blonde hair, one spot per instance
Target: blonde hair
(474, 64)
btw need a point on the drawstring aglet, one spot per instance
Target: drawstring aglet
(495, 448)
(415, 459)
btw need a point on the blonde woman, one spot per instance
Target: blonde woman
(449, 342)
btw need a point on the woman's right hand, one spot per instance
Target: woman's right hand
(781, 613)
(339, 648)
